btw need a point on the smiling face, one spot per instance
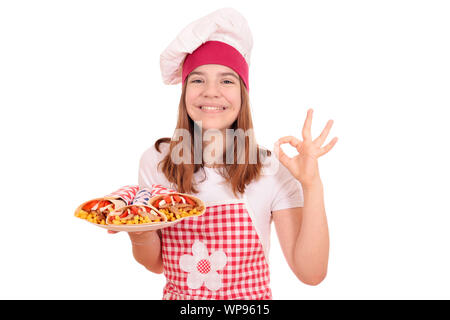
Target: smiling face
(213, 96)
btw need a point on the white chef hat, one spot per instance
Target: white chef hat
(221, 37)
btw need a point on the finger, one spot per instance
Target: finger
(306, 132)
(323, 136)
(112, 232)
(281, 156)
(328, 147)
(293, 141)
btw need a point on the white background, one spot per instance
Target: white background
(81, 98)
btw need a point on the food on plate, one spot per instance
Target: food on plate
(133, 206)
(97, 210)
(177, 205)
(135, 214)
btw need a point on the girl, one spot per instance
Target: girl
(223, 254)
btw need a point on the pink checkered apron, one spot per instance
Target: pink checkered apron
(215, 256)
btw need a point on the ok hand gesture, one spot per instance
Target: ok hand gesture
(304, 166)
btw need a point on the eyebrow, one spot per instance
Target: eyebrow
(221, 74)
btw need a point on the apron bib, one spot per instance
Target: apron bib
(215, 256)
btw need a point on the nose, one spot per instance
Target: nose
(211, 90)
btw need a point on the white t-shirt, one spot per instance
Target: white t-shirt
(275, 190)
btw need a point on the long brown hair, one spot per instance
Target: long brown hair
(237, 174)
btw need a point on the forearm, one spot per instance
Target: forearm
(147, 250)
(312, 244)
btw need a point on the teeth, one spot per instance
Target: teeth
(212, 108)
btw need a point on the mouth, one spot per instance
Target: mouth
(212, 108)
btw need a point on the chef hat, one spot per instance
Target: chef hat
(221, 37)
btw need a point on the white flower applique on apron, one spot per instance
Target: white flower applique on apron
(202, 268)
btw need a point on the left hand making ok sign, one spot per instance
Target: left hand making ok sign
(304, 166)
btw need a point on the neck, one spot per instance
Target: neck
(214, 145)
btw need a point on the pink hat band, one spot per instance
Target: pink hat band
(216, 52)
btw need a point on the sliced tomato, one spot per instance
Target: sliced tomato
(156, 204)
(190, 201)
(103, 203)
(167, 199)
(88, 206)
(134, 210)
(147, 209)
(124, 214)
(177, 198)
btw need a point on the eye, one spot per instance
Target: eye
(230, 82)
(194, 81)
